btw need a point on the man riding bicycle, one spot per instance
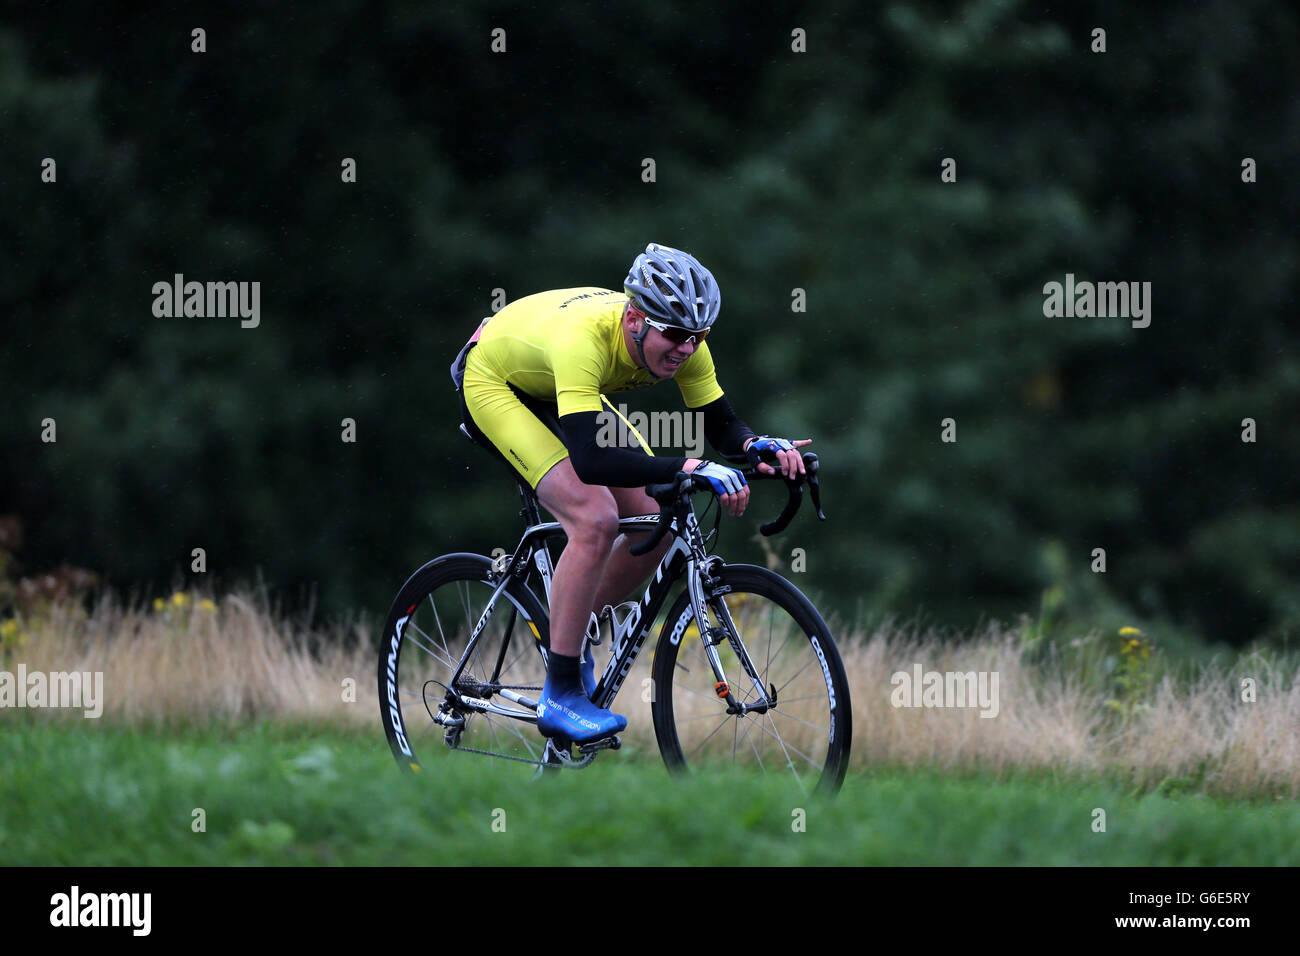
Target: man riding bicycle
(532, 383)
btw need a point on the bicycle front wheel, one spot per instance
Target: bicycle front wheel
(804, 734)
(426, 639)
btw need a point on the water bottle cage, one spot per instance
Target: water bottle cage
(609, 613)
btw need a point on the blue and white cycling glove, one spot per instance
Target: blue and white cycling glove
(724, 480)
(764, 448)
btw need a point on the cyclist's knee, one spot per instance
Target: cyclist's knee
(595, 527)
(588, 513)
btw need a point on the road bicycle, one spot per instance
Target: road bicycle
(745, 670)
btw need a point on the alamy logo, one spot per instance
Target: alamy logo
(102, 909)
(946, 689)
(84, 689)
(1122, 300)
(624, 429)
(211, 300)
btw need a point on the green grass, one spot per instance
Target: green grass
(94, 794)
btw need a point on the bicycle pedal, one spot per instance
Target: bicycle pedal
(605, 743)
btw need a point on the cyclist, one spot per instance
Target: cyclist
(532, 382)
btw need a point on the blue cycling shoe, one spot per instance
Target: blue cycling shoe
(572, 716)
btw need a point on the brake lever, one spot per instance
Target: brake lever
(667, 495)
(814, 483)
(794, 486)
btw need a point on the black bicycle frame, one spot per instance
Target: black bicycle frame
(686, 553)
(532, 557)
(630, 633)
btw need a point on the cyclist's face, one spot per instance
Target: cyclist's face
(665, 357)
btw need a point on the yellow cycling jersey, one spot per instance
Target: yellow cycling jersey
(566, 346)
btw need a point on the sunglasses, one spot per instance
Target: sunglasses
(675, 333)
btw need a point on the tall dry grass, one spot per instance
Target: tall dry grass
(1191, 732)
(195, 660)
(234, 660)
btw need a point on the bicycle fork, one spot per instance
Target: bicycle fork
(711, 637)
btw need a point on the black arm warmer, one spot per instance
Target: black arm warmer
(723, 429)
(619, 467)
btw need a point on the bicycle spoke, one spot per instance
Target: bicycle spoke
(710, 737)
(754, 606)
(687, 720)
(699, 693)
(446, 661)
(529, 745)
(780, 713)
(436, 646)
(772, 659)
(510, 726)
(776, 735)
(469, 621)
(796, 674)
(427, 730)
(523, 651)
(437, 620)
(791, 700)
(767, 667)
(790, 763)
(757, 755)
(768, 653)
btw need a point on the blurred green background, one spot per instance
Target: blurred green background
(780, 170)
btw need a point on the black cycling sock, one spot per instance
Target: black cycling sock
(564, 673)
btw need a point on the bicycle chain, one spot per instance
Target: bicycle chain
(493, 753)
(564, 761)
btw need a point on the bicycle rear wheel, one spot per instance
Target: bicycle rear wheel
(426, 636)
(805, 735)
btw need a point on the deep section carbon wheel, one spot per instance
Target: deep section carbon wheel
(424, 641)
(802, 725)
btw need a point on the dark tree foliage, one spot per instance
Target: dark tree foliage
(521, 171)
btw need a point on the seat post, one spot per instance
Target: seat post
(530, 511)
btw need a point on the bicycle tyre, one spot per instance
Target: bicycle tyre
(414, 668)
(684, 694)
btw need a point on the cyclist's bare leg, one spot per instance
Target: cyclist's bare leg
(623, 572)
(589, 515)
